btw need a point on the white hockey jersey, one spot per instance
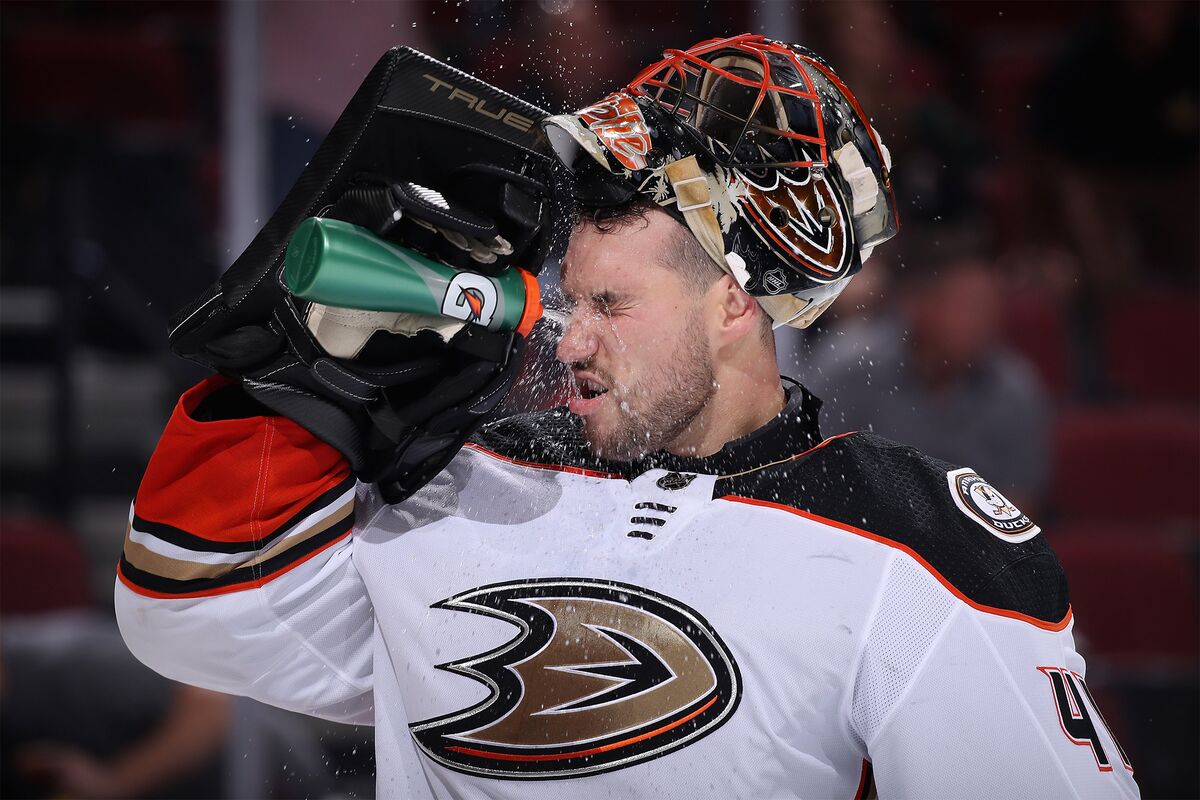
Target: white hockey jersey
(789, 618)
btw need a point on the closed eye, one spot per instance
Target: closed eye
(609, 303)
(605, 303)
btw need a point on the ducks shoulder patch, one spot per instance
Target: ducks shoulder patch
(980, 501)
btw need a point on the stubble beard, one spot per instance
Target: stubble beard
(655, 411)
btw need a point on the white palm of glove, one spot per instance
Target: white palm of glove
(343, 332)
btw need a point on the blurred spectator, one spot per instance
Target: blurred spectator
(1119, 114)
(933, 374)
(82, 718)
(906, 84)
(79, 715)
(314, 56)
(29, 543)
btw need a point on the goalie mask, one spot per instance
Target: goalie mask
(760, 149)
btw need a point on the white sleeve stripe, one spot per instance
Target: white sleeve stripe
(168, 550)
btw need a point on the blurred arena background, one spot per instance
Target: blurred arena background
(1037, 318)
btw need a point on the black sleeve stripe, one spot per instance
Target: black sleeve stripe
(243, 575)
(146, 559)
(200, 544)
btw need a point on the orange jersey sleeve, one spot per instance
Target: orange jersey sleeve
(237, 573)
(229, 504)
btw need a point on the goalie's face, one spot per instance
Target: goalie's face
(636, 339)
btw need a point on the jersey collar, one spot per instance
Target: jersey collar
(793, 430)
(555, 439)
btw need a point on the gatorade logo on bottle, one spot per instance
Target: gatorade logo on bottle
(471, 298)
(474, 299)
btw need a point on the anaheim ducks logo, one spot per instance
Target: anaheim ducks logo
(602, 675)
(981, 502)
(790, 216)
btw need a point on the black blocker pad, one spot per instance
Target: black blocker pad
(419, 121)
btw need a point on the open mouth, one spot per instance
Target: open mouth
(589, 388)
(589, 396)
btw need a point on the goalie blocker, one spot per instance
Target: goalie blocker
(441, 163)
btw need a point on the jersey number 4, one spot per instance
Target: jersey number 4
(1076, 718)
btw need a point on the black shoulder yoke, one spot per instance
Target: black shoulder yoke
(889, 490)
(899, 494)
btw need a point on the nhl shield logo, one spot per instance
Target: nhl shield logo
(774, 281)
(980, 501)
(602, 675)
(675, 480)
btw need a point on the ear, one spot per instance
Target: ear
(735, 314)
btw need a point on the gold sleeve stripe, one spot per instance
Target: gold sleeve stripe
(148, 561)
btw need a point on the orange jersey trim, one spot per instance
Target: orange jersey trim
(1002, 612)
(590, 751)
(864, 782)
(810, 450)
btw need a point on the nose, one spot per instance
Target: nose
(578, 342)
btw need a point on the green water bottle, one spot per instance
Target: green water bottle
(335, 263)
